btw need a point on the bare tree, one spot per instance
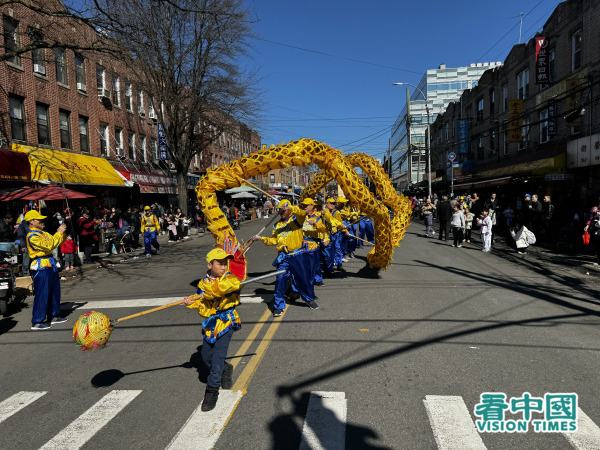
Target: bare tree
(187, 55)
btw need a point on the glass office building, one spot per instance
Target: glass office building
(441, 86)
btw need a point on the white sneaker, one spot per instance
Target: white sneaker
(459, 245)
(148, 256)
(345, 260)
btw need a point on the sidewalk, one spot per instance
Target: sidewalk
(584, 262)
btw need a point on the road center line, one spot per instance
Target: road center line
(17, 402)
(81, 430)
(451, 423)
(248, 342)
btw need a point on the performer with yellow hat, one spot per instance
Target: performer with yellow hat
(288, 236)
(46, 284)
(216, 298)
(341, 241)
(334, 227)
(313, 229)
(150, 227)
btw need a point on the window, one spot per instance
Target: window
(128, 101)
(154, 149)
(84, 137)
(100, 79)
(140, 99)
(80, 72)
(505, 98)
(480, 155)
(143, 148)
(131, 141)
(480, 106)
(523, 84)
(492, 101)
(120, 151)
(11, 38)
(116, 90)
(104, 148)
(39, 61)
(272, 178)
(551, 57)
(17, 118)
(576, 51)
(64, 119)
(43, 124)
(525, 133)
(544, 126)
(61, 66)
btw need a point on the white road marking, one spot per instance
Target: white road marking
(140, 303)
(202, 429)
(17, 402)
(81, 430)
(451, 423)
(325, 422)
(587, 435)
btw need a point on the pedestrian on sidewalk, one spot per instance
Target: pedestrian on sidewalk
(486, 231)
(444, 216)
(69, 249)
(469, 216)
(427, 211)
(216, 298)
(592, 226)
(458, 224)
(46, 284)
(523, 238)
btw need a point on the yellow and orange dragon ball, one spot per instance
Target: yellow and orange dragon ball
(91, 331)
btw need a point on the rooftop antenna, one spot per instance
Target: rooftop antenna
(521, 25)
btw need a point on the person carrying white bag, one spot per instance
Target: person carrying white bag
(523, 238)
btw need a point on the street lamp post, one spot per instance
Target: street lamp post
(428, 136)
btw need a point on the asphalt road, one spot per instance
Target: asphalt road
(440, 321)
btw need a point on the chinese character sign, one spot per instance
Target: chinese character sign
(515, 113)
(463, 136)
(163, 150)
(542, 63)
(551, 117)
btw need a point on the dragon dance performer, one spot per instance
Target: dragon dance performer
(150, 227)
(366, 230)
(216, 298)
(46, 284)
(288, 237)
(352, 216)
(313, 229)
(330, 237)
(341, 239)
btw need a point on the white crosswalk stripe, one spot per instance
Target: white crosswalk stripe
(202, 429)
(452, 425)
(587, 436)
(17, 402)
(325, 422)
(91, 421)
(142, 303)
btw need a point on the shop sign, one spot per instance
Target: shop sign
(559, 176)
(542, 63)
(515, 112)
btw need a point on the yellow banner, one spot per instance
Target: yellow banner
(56, 165)
(515, 117)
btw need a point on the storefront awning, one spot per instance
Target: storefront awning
(483, 184)
(151, 183)
(72, 168)
(14, 166)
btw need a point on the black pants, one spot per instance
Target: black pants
(213, 356)
(458, 235)
(468, 234)
(444, 229)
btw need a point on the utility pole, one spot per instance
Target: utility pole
(409, 148)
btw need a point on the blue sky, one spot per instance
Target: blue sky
(322, 94)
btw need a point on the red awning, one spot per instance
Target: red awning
(16, 195)
(54, 193)
(14, 166)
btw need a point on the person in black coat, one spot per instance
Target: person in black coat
(444, 211)
(7, 228)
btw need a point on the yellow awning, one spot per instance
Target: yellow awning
(538, 167)
(55, 165)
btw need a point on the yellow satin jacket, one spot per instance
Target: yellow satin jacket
(288, 234)
(40, 245)
(149, 223)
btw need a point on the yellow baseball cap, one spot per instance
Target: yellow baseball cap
(33, 214)
(146, 208)
(308, 201)
(282, 203)
(341, 200)
(330, 200)
(217, 253)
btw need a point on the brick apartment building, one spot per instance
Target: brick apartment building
(69, 111)
(526, 128)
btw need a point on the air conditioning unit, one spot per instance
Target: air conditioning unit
(102, 92)
(81, 86)
(142, 113)
(152, 114)
(39, 68)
